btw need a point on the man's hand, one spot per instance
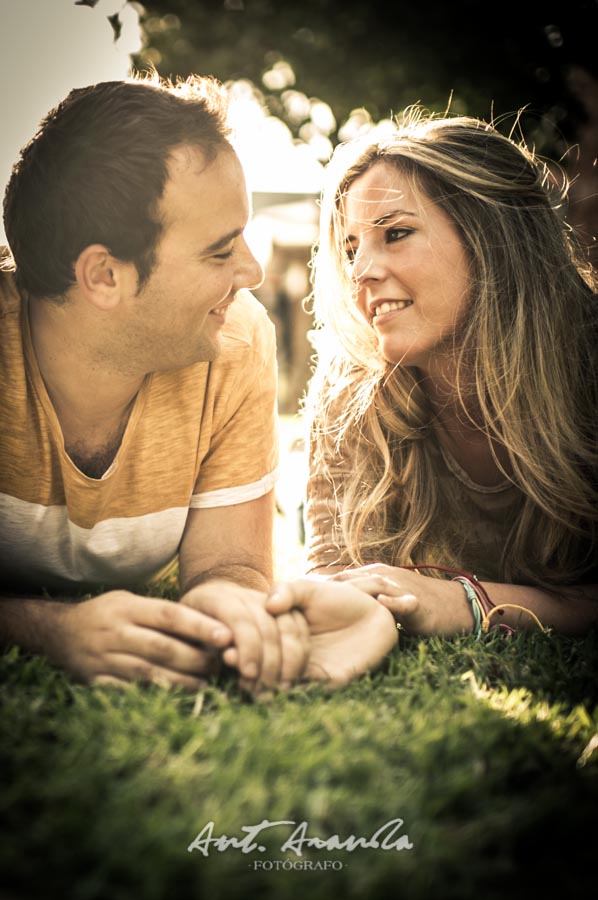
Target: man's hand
(422, 605)
(120, 637)
(351, 633)
(269, 651)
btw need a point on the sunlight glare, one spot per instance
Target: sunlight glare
(46, 49)
(272, 160)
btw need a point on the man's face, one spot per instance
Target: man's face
(202, 260)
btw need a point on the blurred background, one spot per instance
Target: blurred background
(305, 76)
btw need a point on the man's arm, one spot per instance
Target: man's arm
(229, 542)
(32, 623)
(226, 568)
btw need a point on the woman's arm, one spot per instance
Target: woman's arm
(568, 610)
(425, 605)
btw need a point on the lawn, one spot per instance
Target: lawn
(487, 751)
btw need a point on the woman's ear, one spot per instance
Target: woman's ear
(98, 277)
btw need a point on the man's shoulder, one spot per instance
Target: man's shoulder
(11, 339)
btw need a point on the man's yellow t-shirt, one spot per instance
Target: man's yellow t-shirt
(202, 436)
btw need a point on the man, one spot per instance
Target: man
(138, 403)
(138, 408)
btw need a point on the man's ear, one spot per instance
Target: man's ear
(100, 277)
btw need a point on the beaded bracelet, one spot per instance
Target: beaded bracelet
(475, 605)
(487, 607)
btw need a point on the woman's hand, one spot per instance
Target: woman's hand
(420, 604)
(350, 633)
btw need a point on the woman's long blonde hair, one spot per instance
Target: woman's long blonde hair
(525, 358)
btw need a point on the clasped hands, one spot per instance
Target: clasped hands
(306, 630)
(335, 628)
(342, 625)
(313, 629)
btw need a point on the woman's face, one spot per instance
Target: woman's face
(409, 265)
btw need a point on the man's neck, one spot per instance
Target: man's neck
(83, 382)
(92, 399)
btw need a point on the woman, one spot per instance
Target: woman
(453, 409)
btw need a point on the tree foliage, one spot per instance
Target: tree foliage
(492, 60)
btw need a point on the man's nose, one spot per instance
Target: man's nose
(250, 273)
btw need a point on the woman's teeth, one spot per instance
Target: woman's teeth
(389, 305)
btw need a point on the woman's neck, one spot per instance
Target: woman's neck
(459, 427)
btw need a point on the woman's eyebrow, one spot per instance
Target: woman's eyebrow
(395, 214)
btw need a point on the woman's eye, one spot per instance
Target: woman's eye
(350, 252)
(396, 234)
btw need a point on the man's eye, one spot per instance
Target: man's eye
(226, 255)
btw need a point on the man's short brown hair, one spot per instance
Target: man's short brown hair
(95, 172)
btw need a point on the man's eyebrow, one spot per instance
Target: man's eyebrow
(222, 242)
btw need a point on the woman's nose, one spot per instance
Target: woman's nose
(368, 265)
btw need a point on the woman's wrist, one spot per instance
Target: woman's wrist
(475, 603)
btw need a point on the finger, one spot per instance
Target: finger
(239, 615)
(347, 575)
(258, 691)
(298, 594)
(375, 584)
(282, 598)
(269, 675)
(248, 641)
(181, 620)
(230, 656)
(403, 608)
(129, 668)
(294, 642)
(110, 680)
(168, 652)
(294, 639)
(358, 572)
(381, 569)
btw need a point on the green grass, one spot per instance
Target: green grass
(487, 750)
(478, 747)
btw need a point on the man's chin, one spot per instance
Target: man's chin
(210, 350)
